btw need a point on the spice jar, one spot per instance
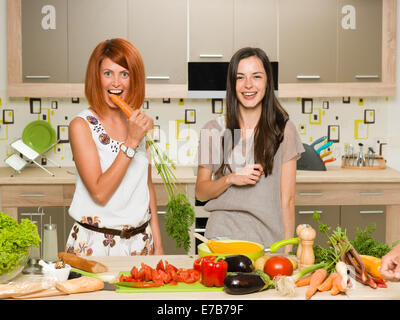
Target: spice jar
(50, 249)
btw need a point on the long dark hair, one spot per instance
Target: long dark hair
(268, 133)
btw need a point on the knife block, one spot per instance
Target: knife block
(310, 160)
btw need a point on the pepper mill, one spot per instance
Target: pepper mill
(299, 247)
(307, 236)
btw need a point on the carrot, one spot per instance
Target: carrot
(122, 104)
(337, 285)
(327, 284)
(316, 279)
(303, 282)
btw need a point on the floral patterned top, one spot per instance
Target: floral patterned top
(128, 207)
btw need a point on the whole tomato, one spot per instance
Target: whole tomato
(278, 265)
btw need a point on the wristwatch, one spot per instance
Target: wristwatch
(130, 152)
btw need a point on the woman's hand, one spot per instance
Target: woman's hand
(390, 265)
(250, 174)
(138, 125)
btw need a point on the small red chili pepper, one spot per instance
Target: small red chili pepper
(213, 272)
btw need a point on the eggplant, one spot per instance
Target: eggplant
(239, 263)
(247, 282)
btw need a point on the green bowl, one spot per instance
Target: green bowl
(204, 250)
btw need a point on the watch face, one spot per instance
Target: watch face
(130, 152)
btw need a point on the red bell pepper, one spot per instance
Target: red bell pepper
(213, 271)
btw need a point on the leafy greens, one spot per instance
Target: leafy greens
(15, 240)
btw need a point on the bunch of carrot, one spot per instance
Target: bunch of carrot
(321, 281)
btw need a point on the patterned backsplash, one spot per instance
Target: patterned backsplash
(178, 123)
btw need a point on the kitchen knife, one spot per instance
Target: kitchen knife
(324, 146)
(319, 140)
(329, 160)
(277, 245)
(325, 154)
(105, 278)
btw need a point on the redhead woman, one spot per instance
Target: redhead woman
(114, 204)
(248, 171)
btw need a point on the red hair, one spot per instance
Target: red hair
(127, 56)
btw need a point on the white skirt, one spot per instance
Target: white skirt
(85, 242)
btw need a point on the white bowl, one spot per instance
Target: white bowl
(57, 274)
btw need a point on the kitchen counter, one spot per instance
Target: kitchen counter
(117, 264)
(33, 187)
(66, 175)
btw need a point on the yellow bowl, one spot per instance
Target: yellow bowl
(204, 250)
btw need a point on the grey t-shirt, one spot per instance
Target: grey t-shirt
(251, 212)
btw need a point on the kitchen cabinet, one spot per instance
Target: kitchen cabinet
(90, 22)
(307, 41)
(362, 217)
(361, 48)
(256, 25)
(359, 40)
(349, 218)
(159, 30)
(210, 30)
(44, 41)
(215, 29)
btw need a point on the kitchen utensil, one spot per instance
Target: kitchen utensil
(277, 245)
(50, 250)
(360, 157)
(325, 154)
(371, 153)
(310, 160)
(307, 236)
(324, 146)
(204, 250)
(329, 160)
(39, 135)
(319, 140)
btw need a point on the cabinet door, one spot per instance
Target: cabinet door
(330, 215)
(307, 41)
(256, 25)
(44, 41)
(90, 22)
(353, 217)
(360, 40)
(159, 30)
(211, 30)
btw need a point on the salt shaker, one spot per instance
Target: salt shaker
(50, 249)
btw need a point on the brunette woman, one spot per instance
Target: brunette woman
(114, 204)
(248, 171)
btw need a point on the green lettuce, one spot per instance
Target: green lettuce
(15, 240)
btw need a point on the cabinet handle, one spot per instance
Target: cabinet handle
(367, 76)
(371, 211)
(307, 194)
(37, 77)
(199, 230)
(367, 194)
(161, 212)
(309, 211)
(157, 77)
(31, 195)
(308, 77)
(211, 55)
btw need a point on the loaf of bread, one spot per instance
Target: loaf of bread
(79, 285)
(81, 263)
(18, 289)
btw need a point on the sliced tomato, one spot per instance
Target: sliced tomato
(169, 266)
(165, 276)
(135, 272)
(160, 265)
(173, 283)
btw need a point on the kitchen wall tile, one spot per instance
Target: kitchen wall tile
(178, 122)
